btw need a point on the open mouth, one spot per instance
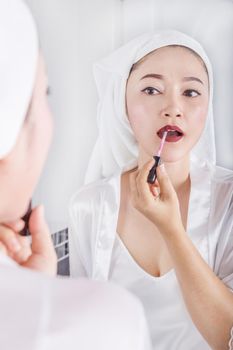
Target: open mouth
(174, 133)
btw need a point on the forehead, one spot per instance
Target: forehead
(178, 60)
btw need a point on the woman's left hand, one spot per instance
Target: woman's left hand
(158, 202)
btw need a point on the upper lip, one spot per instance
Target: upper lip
(170, 127)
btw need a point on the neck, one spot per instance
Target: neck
(178, 171)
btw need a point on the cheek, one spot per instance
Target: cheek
(45, 131)
(16, 197)
(27, 162)
(139, 118)
(17, 190)
(197, 122)
(43, 126)
(40, 139)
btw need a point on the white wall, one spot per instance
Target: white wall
(74, 34)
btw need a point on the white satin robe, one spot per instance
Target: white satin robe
(42, 313)
(93, 223)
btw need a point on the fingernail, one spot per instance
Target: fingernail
(20, 225)
(15, 246)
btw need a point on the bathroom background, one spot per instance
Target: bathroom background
(76, 33)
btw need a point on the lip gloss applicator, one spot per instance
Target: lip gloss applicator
(152, 174)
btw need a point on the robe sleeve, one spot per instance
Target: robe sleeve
(230, 344)
(77, 266)
(225, 249)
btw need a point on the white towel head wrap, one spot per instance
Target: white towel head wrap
(18, 62)
(116, 148)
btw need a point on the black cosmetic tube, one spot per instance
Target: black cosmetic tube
(152, 173)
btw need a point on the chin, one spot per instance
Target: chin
(173, 158)
(24, 209)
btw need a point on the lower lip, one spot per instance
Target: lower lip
(174, 138)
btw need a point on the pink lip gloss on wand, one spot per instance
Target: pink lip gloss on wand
(152, 174)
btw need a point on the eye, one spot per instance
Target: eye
(151, 91)
(191, 93)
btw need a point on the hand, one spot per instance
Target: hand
(12, 244)
(40, 256)
(158, 202)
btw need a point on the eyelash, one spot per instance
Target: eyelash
(191, 90)
(151, 94)
(150, 88)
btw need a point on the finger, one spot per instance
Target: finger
(17, 247)
(16, 226)
(144, 171)
(3, 249)
(25, 252)
(132, 183)
(166, 188)
(22, 256)
(41, 239)
(154, 190)
(9, 239)
(142, 184)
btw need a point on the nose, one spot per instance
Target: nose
(178, 114)
(172, 112)
(172, 109)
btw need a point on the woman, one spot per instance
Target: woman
(170, 243)
(38, 312)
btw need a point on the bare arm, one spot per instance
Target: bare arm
(208, 300)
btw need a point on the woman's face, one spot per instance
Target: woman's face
(169, 87)
(21, 169)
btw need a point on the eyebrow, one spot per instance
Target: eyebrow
(159, 76)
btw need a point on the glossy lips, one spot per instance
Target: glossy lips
(174, 133)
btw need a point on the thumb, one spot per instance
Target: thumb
(41, 238)
(166, 188)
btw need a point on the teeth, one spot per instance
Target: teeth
(170, 133)
(173, 133)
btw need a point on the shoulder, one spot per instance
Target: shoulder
(222, 195)
(123, 331)
(221, 224)
(222, 183)
(91, 196)
(223, 175)
(92, 216)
